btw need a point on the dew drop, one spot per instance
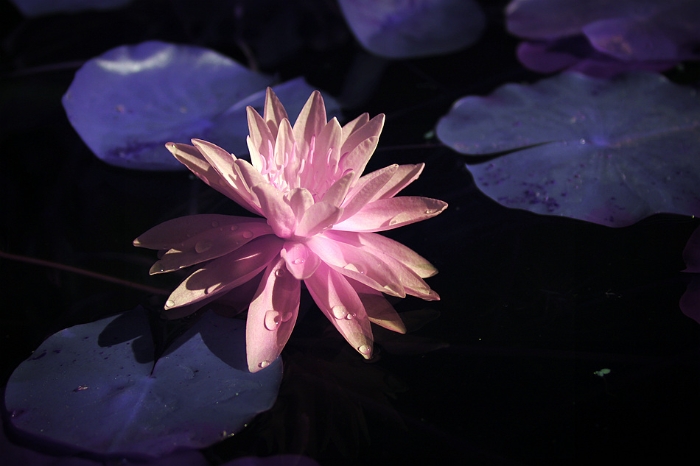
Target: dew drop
(272, 320)
(169, 303)
(582, 141)
(247, 234)
(202, 246)
(279, 272)
(263, 364)
(214, 224)
(298, 261)
(430, 211)
(340, 312)
(364, 349)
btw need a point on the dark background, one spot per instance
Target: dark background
(531, 305)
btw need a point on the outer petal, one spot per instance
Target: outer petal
(260, 137)
(227, 272)
(335, 195)
(387, 214)
(358, 134)
(379, 310)
(411, 282)
(211, 244)
(357, 264)
(190, 157)
(353, 126)
(173, 233)
(379, 244)
(271, 315)
(403, 176)
(340, 303)
(366, 190)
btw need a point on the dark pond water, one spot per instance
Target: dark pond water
(532, 307)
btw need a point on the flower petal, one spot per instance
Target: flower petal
(271, 315)
(361, 132)
(387, 214)
(356, 160)
(173, 233)
(367, 190)
(358, 264)
(301, 261)
(311, 120)
(210, 244)
(317, 218)
(412, 283)
(353, 126)
(403, 176)
(340, 303)
(278, 213)
(259, 139)
(379, 310)
(226, 273)
(387, 246)
(335, 195)
(300, 200)
(274, 112)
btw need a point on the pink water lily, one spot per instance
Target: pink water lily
(320, 221)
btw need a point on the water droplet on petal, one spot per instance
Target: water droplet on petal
(298, 261)
(214, 224)
(202, 246)
(272, 320)
(280, 272)
(394, 221)
(169, 303)
(263, 364)
(247, 234)
(234, 227)
(364, 349)
(350, 316)
(430, 211)
(339, 312)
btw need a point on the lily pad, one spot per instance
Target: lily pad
(414, 28)
(623, 35)
(94, 387)
(127, 103)
(606, 151)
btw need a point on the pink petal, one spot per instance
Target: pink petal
(271, 315)
(278, 213)
(274, 111)
(357, 159)
(379, 310)
(285, 155)
(359, 133)
(224, 164)
(367, 190)
(412, 283)
(211, 244)
(311, 120)
(357, 264)
(328, 144)
(173, 233)
(342, 306)
(335, 195)
(403, 176)
(301, 261)
(387, 214)
(226, 273)
(387, 246)
(259, 137)
(353, 126)
(190, 157)
(317, 218)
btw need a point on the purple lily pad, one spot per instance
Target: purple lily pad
(94, 387)
(622, 36)
(127, 103)
(606, 151)
(45, 7)
(414, 28)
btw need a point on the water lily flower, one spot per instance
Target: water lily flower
(320, 222)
